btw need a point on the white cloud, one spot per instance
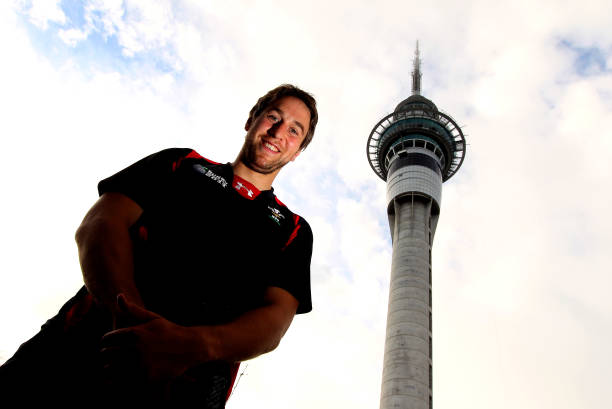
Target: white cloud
(41, 12)
(105, 15)
(144, 27)
(72, 36)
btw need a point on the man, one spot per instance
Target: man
(190, 266)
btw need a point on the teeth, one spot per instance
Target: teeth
(270, 146)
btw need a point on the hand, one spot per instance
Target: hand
(123, 316)
(150, 350)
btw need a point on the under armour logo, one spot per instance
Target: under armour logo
(240, 186)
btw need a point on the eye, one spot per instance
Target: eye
(272, 117)
(294, 131)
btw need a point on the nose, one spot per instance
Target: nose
(274, 129)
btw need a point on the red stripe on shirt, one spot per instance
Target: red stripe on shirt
(191, 155)
(296, 219)
(234, 373)
(194, 155)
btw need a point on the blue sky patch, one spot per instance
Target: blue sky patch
(75, 13)
(99, 51)
(588, 60)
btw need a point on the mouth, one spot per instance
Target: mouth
(270, 147)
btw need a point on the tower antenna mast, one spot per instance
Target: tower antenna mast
(416, 72)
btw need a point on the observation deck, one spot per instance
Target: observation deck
(416, 123)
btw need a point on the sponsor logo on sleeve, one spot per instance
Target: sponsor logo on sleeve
(210, 174)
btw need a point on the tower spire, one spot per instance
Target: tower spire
(416, 72)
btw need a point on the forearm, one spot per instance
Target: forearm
(252, 334)
(105, 254)
(168, 349)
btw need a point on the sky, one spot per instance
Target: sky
(521, 258)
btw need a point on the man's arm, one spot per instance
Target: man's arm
(105, 249)
(254, 333)
(166, 349)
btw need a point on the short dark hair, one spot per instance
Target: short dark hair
(287, 90)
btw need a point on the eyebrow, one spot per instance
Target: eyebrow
(297, 123)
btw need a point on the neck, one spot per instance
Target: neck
(260, 180)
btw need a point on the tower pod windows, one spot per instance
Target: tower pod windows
(406, 143)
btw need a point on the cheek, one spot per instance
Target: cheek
(258, 127)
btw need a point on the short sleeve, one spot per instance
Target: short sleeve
(294, 272)
(141, 180)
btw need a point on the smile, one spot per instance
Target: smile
(270, 147)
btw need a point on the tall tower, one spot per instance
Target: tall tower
(414, 149)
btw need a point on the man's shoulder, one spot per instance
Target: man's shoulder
(177, 155)
(282, 213)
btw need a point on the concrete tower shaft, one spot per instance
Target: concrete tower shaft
(414, 149)
(407, 365)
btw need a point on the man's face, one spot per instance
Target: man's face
(275, 137)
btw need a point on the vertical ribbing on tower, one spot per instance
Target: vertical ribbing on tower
(414, 150)
(406, 381)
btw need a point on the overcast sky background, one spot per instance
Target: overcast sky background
(521, 260)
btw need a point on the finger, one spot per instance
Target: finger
(119, 337)
(116, 356)
(134, 311)
(119, 361)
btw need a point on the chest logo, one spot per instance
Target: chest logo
(239, 186)
(275, 215)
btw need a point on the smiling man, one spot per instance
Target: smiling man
(190, 267)
(273, 140)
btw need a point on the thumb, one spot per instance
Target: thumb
(134, 312)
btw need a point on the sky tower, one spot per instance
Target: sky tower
(414, 149)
